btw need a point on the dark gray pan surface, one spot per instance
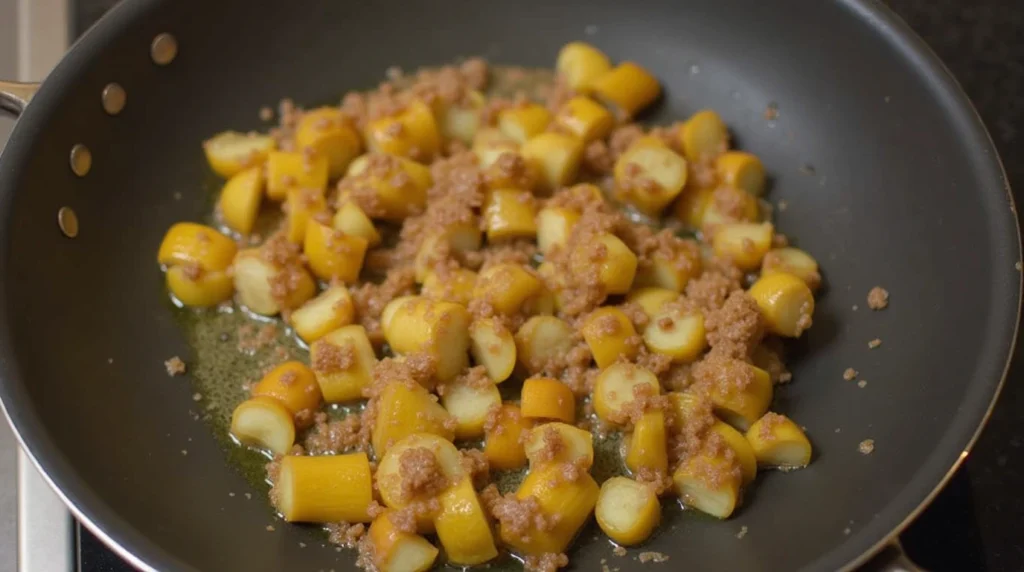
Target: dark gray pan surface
(907, 193)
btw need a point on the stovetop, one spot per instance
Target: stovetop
(975, 523)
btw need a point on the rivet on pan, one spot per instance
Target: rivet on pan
(67, 220)
(163, 49)
(114, 98)
(81, 160)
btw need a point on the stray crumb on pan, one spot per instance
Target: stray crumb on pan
(619, 551)
(862, 383)
(866, 446)
(266, 113)
(651, 556)
(1018, 266)
(783, 205)
(771, 112)
(742, 532)
(878, 298)
(270, 528)
(175, 366)
(197, 396)
(854, 307)
(874, 343)
(806, 169)
(846, 530)
(850, 374)
(184, 452)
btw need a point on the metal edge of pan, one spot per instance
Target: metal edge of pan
(142, 553)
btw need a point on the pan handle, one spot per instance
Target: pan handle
(892, 558)
(14, 96)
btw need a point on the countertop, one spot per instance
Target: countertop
(975, 523)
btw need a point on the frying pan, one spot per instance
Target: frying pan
(888, 176)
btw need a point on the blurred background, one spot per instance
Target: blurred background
(975, 524)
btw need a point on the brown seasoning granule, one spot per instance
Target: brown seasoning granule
(878, 298)
(175, 366)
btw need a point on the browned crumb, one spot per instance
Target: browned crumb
(878, 298)
(175, 366)
(619, 551)
(333, 437)
(421, 474)
(771, 111)
(862, 383)
(650, 556)
(742, 532)
(345, 534)
(547, 562)
(874, 343)
(850, 374)
(266, 113)
(866, 446)
(270, 528)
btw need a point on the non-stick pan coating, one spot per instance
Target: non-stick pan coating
(906, 192)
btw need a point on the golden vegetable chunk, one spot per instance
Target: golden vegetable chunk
(492, 346)
(440, 329)
(395, 550)
(741, 170)
(289, 170)
(230, 152)
(793, 261)
(239, 201)
(671, 268)
(351, 220)
(325, 488)
(303, 206)
(703, 136)
(332, 309)
(555, 157)
(610, 335)
(543, 340)
(462, 526)
(554, 226)
(786, 303)
(503, 446)
(677, 334)
(546, 398)
(294, 385)
(745, 400)
(198, 288)
(404, 409)
(567, 504)
(648, 447)
(520, 123)
(455, 239)
(265, 288)
(511, 288)
(710, 484)
(469, 404)
(264, 423)
(629, 87)
(745, 243)
(649, 176)
(618, 385)
(450, 285)
(616, 263)
(627, 511)
(692, 204)
(459, 121)
(510, 214)
(651, 300)
(332, 254)
(580, 64)
(399, 184)
(585, 118)
(411, 133)
(327, 133)
(188, 243)
(557, 443)
(490, 143)
(343, 361)
(736, 441)
(398, 488)
(778, 442)
(728, 205)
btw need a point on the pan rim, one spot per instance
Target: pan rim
(846, 555)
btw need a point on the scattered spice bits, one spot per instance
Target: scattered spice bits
(175, 366)
(878, 298)
(850, 374)
(874, 343)
(866, 446)
(649, 556)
